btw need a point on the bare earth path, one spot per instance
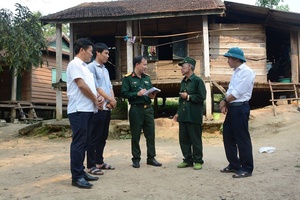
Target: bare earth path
(38, 168)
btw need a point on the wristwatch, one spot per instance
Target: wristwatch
(225, 100)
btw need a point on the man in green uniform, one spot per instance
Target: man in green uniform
(189, 115)
(141, 114)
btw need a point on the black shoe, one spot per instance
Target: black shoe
(81, 183)
(89, 177)
(136, 164)
(153, 162)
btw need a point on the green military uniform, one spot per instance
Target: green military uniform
(141, 114)
(190, 116)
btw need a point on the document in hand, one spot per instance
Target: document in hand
(151, 90)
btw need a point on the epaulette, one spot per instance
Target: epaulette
(126, 75)
(147, 74)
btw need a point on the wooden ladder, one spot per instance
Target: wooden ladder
(219, 87)
(284, 88)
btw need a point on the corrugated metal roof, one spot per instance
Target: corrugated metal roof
(267, 16)
(136, 9)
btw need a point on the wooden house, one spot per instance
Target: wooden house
(33, 88)
(167, 31)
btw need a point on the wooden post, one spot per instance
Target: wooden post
(118, 60)
(207, 67)
(135, 33)
(13, 95)
(129, 48)
(298, 56)
(294, 56)
(129, 51)
(58, 70)
(71, 55)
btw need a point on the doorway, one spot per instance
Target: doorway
(278, 55)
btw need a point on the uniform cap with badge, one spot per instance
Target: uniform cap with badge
(188, 60)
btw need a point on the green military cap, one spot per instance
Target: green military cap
(187, 60)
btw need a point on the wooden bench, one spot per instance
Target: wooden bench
(288, 89)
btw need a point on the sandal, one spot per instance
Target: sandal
(95, 171)
(106, 167)
(228, 170)
(241, 174)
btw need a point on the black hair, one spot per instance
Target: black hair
(100, 47)
(137, 60)
(82, 43)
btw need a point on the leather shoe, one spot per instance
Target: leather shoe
(153, 162)
(81, 183)
(89, 177)
(136, 164)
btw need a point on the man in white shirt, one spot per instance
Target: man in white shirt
(236, 136)
(83, 102)
(101, 119)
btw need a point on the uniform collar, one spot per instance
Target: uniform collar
(190, 78)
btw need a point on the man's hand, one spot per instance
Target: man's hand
(141, 92)
(224, 110)
(223, 107)
(183, 95)
(175, 118)
(152, 95)
(100, 102)
(112, 103)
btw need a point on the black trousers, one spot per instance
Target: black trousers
(80, 124)
(99, 134)
(236, 137)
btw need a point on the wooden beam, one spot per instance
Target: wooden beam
(207, 67)
(294, 56)
(58, 70)
(129, 48)
(298, 56)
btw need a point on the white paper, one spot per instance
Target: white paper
(153, 89)
(266, 149)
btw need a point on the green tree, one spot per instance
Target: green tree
(50, 30)
(273, 4)
(21, 39)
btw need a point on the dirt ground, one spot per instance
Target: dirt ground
(38, 168)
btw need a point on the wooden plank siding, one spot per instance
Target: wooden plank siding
(249, 37)
(169, 69)
(158, 70)
(41, 89)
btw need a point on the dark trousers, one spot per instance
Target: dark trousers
(142, 119)
(237, 139)
(190, 140)
(99, 129)
(80, 124)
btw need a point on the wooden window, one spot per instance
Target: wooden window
(63, 76)
(174, 48)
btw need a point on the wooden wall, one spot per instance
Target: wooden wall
(41, 90)
(169, 69)
(5, 83)
(159, 70)
(251, 38)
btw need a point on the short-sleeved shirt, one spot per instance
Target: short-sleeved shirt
(102, 79)
(78, 102)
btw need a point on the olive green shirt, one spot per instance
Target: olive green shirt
(132, 84)
(191, 110)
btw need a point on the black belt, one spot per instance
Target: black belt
(141, 105)
(233, 104)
